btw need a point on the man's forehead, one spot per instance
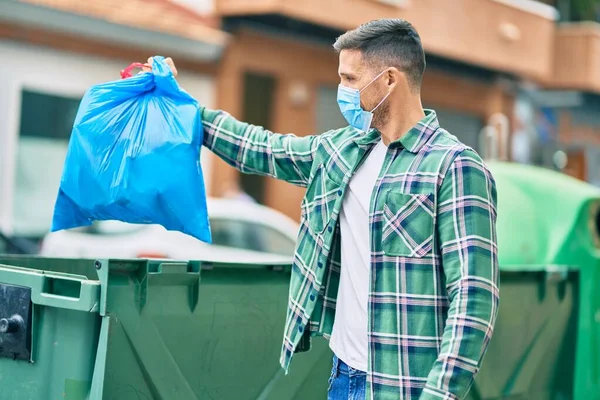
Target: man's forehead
(351, 62)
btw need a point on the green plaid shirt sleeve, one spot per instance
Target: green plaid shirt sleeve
(467, 234)
(254, 150)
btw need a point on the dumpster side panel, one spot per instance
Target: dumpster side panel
(532, 353)
(217, 337)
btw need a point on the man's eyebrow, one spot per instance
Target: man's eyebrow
(346, 75)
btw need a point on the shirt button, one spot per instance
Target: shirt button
(329, 228)
(312, 297)
(339, 192)
(320, 264)
(300, 329)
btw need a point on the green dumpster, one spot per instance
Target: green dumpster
(124, 330)
(546, 344)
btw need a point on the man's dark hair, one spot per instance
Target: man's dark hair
(389, 42)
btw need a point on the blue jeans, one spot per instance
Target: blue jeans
(346, 383)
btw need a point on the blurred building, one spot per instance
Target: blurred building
(270, 62)
(51, 52)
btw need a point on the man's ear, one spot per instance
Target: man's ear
(393, 77)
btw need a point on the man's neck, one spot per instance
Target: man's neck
(400, 121)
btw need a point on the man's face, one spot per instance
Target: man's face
(355, 72)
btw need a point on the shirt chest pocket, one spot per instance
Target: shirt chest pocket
(408, 224)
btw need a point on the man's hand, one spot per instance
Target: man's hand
(169, 62)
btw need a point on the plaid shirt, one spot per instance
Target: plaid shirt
(433, 295)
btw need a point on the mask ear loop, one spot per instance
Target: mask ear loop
(373, 80)
(369, 84)
(381, 102)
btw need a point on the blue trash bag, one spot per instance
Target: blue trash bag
(134, 156)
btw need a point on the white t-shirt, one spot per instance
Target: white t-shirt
(349, 339)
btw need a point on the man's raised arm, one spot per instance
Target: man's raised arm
(254, 150)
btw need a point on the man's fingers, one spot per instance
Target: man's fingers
(171, 65)
(169, 62)
(149, 68)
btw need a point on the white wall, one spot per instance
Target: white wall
(60, 73)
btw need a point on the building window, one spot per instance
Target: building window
(328, 112)
(466, 127)
(45, 128)
(258, 109)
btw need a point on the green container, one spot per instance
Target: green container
(129, 330)
(151, 330)
(545, 345)
(532, 353)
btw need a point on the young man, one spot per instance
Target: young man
(396, 260)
